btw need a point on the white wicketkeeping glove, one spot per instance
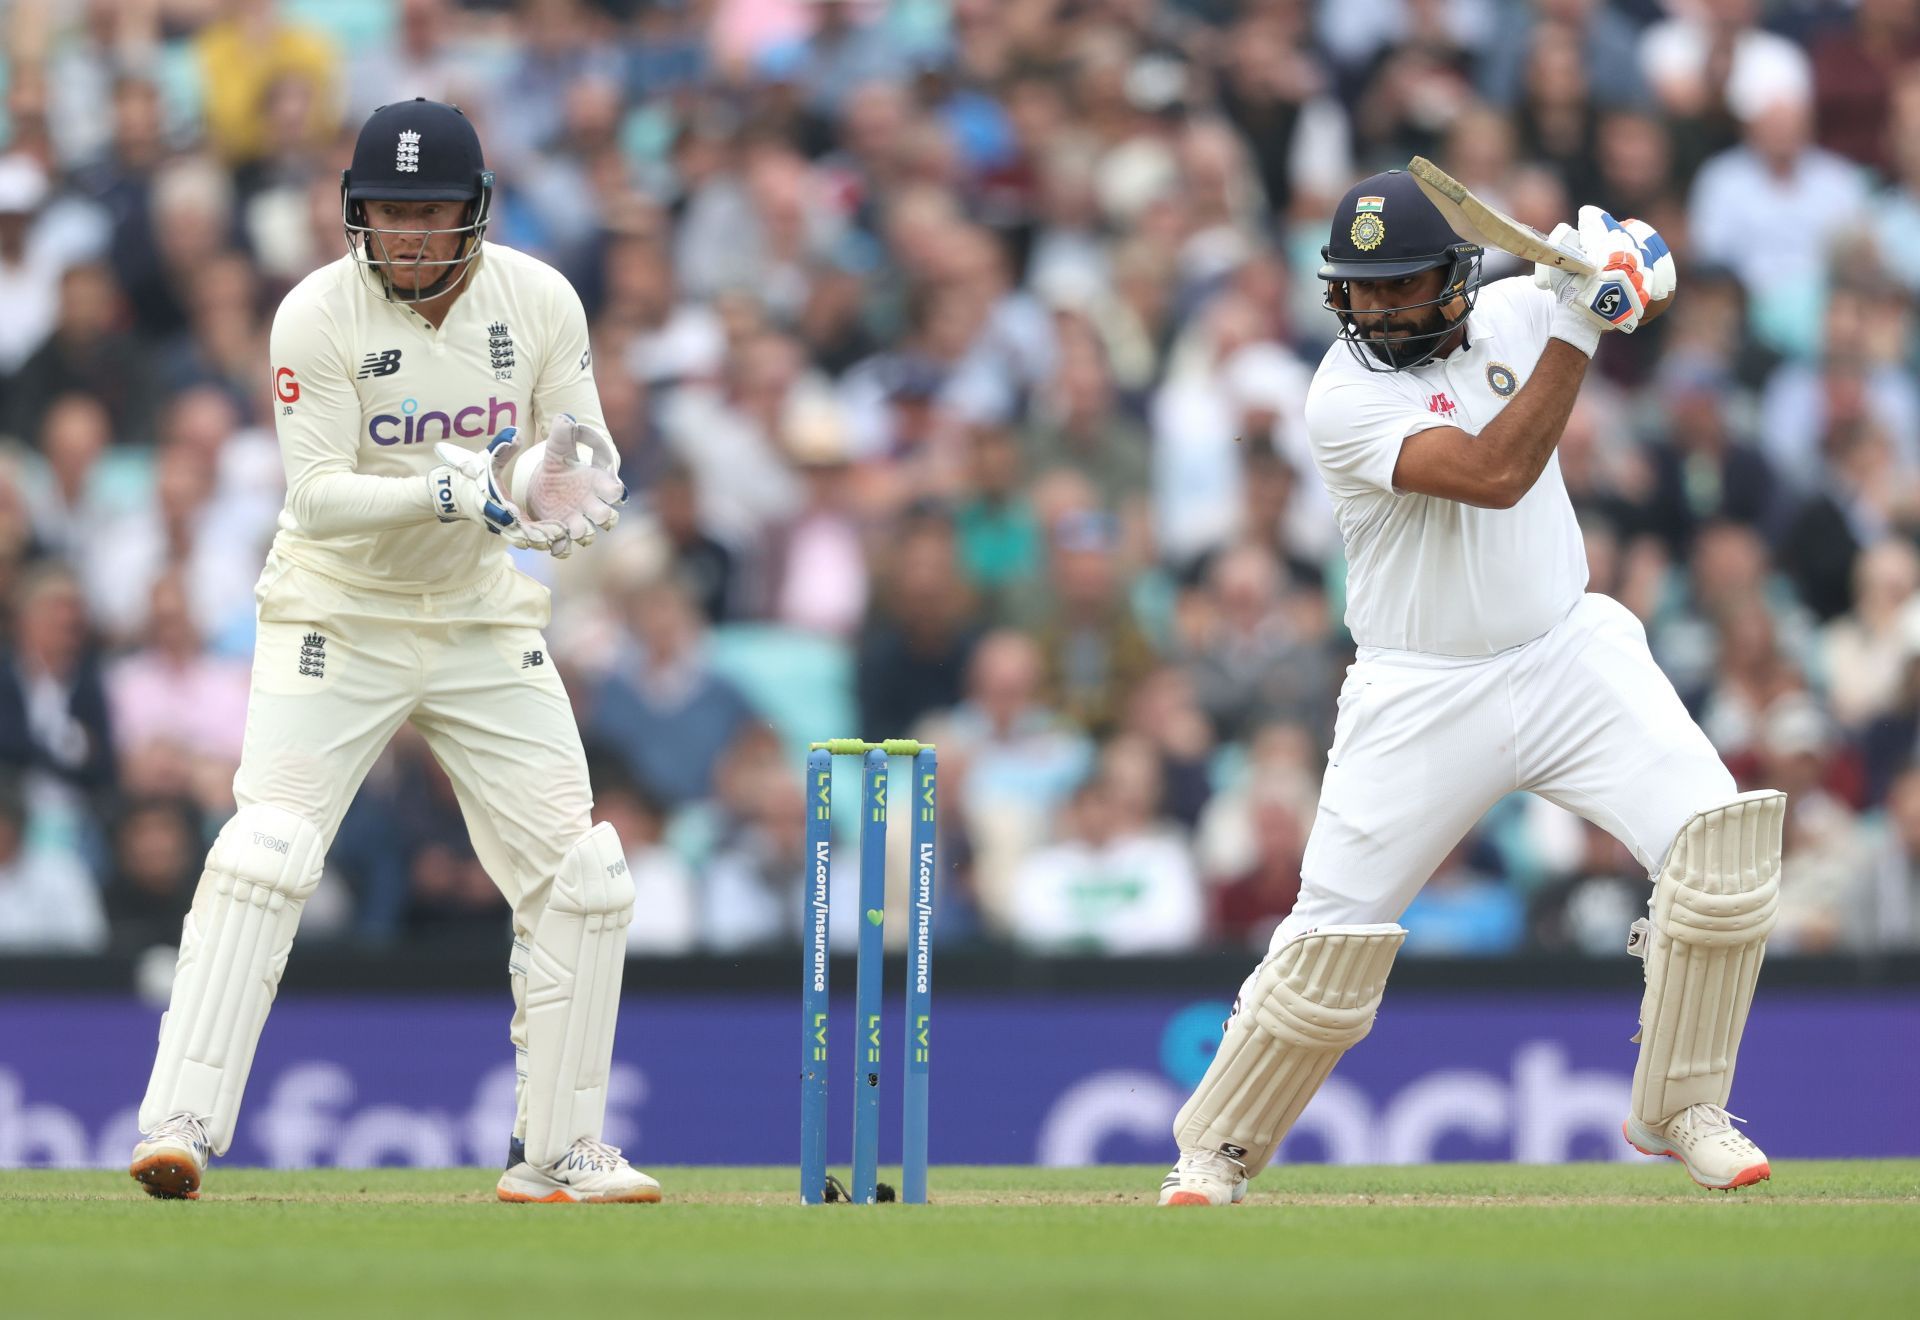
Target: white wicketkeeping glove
(571, 496)
(1635, 269)
(466, 487)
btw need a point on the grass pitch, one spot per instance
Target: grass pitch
(1823, 1239)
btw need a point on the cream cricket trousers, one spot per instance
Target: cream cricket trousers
(337, 669)
(1423, 745)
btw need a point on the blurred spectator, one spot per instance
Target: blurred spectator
(245, 54)
(666, 912)
(54, 721)
(450, 897)
(1772, 208)
(1703, 472)
(1258, 649)
(999, 534)
(1861, 376)
(1248, 905)
(921, 632)
(29, 273)
(818, 569)
(1854, 66)
(1605, 35)
(751, 894)
(88, 353)
(1119, 881)
(47, 900)
(179, 714)
(1096, 652)
(1014, 759)
(1464, 910)
(703, 565)
(1863, 652)
(157, 852)
(1889, 918)
(663, 709)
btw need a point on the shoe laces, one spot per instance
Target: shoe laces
(181, 1127)
(1213, 1164)
(1705, 1120)
(588, 1153)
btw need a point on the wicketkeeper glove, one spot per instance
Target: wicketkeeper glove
(571, 496)
(466, 487)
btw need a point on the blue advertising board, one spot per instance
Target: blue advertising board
(1060, 1079)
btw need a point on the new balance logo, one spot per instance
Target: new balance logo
(313, 656)
(532, 659)
(406, 158)
(379, 364)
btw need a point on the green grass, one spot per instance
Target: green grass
(1616, 1240)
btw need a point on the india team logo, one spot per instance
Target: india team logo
(1501, 380)
(1368, 231)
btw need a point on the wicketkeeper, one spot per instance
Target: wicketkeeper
(1485, 668)
(404, 375)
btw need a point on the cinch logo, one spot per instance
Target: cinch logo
(414, 427)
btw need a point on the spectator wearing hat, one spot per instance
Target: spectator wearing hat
(817, 567)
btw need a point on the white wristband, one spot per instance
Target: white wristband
(1576, 327)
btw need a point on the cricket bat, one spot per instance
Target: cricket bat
(1477, 222)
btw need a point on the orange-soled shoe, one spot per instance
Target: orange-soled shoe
(1204, 1177)
(591, 1172)
(1716, 1154)
(170, 1161)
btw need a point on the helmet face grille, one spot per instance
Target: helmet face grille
(368, 245)
(1399, 352)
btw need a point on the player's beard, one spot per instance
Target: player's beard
(1409, 338)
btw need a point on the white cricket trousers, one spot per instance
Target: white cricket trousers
(338, 668)
(1424, 744)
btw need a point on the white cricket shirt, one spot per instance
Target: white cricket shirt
(1428, 574)
(362, 388)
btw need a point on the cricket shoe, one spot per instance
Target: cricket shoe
(170, 1160)
(1204, 1177)
(590, 1171)
(1703, 1138)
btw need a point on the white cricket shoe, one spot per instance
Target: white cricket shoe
(590, 1171)
(170, 1160)
(1204, 1177)
(1703, 1138)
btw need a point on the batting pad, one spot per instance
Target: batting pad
(233, 947)
(1713, 905)
(1310, 1003)
(574, 961)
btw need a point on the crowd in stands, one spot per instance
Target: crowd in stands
(956, 352)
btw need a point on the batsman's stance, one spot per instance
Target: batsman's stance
(1485, 668)
(388, 597)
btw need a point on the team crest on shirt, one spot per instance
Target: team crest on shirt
(500, 350)
(1501, 380)
(1368, 231)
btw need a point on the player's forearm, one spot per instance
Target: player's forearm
(1516, 445)
(328, 504)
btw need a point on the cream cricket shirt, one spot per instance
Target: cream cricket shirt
(1427, 574)
(362, 388)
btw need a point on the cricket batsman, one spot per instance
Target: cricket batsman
(1484, 667)
(404, 375)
